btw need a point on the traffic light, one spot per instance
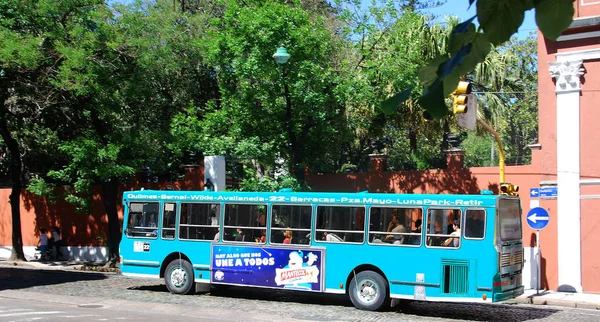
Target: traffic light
(460, 97)
(509, 189)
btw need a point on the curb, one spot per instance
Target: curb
(535, 300)
(64, 266)
(89, 268)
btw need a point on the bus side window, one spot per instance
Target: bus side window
(197, 221)
(168, 223)
(245, 223)
(395, 226)
(441, 228)
(475, 223)
(340, 224)
(290, 224)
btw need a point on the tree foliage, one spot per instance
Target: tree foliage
(276, 111)
(470, 45)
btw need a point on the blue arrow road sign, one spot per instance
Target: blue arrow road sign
(537, 218)
(534, 192)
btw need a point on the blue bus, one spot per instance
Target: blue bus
(374, 247)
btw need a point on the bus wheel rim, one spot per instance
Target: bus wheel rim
(367, 291)
(178, 277)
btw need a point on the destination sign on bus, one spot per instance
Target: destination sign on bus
(299, 199)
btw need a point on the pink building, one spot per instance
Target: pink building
(569, 89)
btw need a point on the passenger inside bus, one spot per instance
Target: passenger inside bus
(331, 237)
(260, 219)
(288, 237)
(416, 240)
(241, 236)
(453, 241)
(397, 228)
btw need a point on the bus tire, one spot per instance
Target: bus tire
(179, 277)
(368, 291)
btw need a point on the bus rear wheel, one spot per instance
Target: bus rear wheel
(179, 277)
(368, 291)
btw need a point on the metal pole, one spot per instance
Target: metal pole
(539, 262)
(500, 149)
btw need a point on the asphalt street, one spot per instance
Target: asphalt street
(116, 297)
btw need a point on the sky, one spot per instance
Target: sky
(459, 8)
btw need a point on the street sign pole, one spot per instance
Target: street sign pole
(538, 218)
(539, 262)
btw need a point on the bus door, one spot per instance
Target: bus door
(141, 236)
(169, 218)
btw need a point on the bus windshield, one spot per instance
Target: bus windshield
(509, 215)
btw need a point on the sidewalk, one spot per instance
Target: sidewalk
(574, 300)
(58, 265)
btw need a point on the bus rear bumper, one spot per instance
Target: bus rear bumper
(510, 294)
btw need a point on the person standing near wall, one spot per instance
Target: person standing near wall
(57, 243)
(43, 243)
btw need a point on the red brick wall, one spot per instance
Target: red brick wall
(78, 229)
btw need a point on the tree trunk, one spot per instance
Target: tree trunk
(15, 174)
(413, 140)
(109, 198)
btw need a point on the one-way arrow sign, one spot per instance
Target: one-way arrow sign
(534, 192)
(538, 218)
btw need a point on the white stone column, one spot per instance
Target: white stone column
(567, 76)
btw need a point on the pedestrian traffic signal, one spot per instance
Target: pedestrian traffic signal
(459, 105)
(509, 189)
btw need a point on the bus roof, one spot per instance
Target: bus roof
(335, 198)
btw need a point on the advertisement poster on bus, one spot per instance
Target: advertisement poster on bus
(298, 269)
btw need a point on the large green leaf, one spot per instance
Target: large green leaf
(462, 34)
(432, 101)
(451, 64)
(390, 105)
(428, 74)
(480, 49)
(500, 19)
(554, 16)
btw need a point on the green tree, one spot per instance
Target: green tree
(37, 41)
(143, 73)
(280, 111)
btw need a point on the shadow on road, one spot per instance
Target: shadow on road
(281, 295)
(445, 310)
(152, 288)
(474, 311)
(15, 278)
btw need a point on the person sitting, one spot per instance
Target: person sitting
(454, 241)
(288, 237)
(216, 238)
(416, 240)
(330, 237)
(240, 237)
(262, 239)
(397, 228)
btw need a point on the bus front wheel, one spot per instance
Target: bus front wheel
(368, 291)
(179, 277)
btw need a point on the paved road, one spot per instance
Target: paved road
(237, 304)
(19, 310)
